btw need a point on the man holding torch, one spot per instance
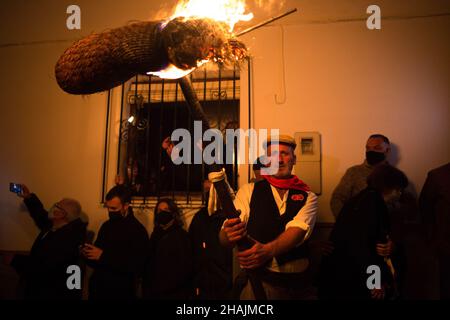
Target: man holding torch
(279, 214)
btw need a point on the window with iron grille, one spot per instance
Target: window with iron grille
(151, 109)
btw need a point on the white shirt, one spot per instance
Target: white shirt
(305, 219)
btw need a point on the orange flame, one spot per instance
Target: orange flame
(228, 11)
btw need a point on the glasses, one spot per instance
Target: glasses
(57, 206)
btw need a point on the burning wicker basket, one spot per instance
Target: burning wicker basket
(102, 61)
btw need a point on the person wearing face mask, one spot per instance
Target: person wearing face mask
(355, 178)
(118, 254)
(168, 273)
(362, 237)
(44, 270)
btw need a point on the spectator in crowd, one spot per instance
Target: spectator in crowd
(44, 270)
(118, 254)
(354, 180)
(177, 177)
(212, 261)
(361, 238)
(168, 273)
(435, 208)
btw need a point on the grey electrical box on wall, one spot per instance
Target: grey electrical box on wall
(309, 159)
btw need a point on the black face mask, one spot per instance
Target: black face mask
(163, 217)
(374, 157)
(115, 215)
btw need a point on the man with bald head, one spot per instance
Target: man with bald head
(44, 271)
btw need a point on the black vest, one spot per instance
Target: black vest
(265, 222)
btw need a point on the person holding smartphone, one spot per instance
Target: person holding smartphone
(44, 270)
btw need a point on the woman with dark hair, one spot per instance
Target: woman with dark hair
(169, 266)
(362, 238)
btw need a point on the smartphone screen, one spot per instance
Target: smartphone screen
(15, 187)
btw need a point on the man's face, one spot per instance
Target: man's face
(58, 211)
(115, 205)
(377, 145)
(286, 159)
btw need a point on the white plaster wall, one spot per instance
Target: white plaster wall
(339, 79)
(348, 82)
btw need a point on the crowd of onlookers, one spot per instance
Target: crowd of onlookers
(371, 204)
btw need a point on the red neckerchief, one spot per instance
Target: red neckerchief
(291, 183)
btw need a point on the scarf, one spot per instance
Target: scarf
(291, 183)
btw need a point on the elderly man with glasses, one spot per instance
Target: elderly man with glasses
(44, 271)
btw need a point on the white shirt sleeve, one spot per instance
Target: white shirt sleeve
(306, 217)
(242, 200)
